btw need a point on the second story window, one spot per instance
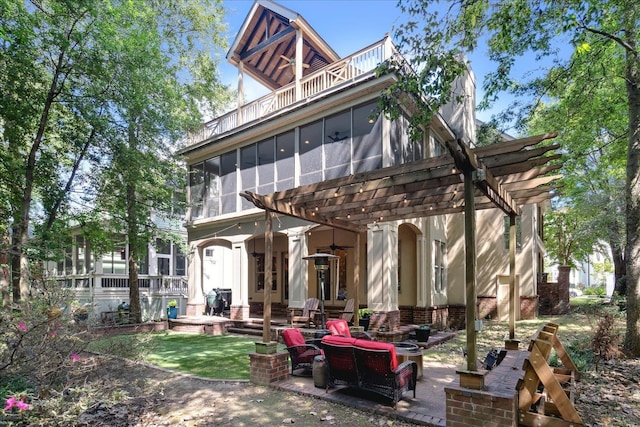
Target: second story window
(311, 153)
(518, 233)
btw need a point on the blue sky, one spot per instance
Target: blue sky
(346, 25)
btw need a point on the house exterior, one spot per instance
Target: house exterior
(101, 281)
(320, 123)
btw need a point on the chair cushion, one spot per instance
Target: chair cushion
(377, 345)
(338, 340)
(292, 337)
(339, 327)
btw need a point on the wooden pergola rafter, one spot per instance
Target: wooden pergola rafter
(505, 175)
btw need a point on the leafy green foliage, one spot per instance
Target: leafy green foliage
(584, 50)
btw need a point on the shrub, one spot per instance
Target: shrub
(596, 290)
(606, 340)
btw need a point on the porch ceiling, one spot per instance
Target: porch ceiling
(266, 45)
(506, 175)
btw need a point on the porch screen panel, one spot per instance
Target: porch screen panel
(395, 140)
(196, 190)
(367, 139)
(228, 182)
(248, 168)
(266, 166)
(212, 187)
(337, 145)
(311, 153)
(285, 162)
(180, 262)
(81, 255)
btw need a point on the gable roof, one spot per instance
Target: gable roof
(265, 46)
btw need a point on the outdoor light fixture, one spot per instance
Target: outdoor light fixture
(321, 263)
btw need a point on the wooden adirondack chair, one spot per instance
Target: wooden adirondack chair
(347, 313)
(308, 312)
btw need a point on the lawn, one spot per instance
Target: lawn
(227, 357)
(575, 332)
(221, 357)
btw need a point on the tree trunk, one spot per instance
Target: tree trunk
(632, 250)
(135, 315)
(619, 270)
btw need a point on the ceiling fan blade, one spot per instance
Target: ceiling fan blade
(285, 58)
(283, 66)
(305, 65)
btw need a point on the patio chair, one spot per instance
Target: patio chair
(347, 313)
(301, 352)
(341, 327)
(308, 312)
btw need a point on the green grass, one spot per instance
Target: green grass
(221, 357)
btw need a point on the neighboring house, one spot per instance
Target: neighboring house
(321, 123)
(102, 281)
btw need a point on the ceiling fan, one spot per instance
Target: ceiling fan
(290, 61)
(336, 137)
(333, 245)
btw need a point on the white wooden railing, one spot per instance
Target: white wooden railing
(345, 71)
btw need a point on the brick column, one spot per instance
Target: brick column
(467, 407)
(268, 368)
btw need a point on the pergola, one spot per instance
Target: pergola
(505, 175)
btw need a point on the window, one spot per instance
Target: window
(163, 266)
(439, 265)
(248, 172)
(196, 190)
(518, 233)
(367, 138)
(143, 263)
(212, 186)
(115, 262)
(180, 262)
(266, 160)
(337, 145)
(438, 148)
(285, 164)
(260, 277)
(311, 153)
(163, 247)
(228, 182)
(404, 150)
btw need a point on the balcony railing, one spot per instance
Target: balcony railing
(345, 71)
(156, 284)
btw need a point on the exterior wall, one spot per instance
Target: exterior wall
(492, 266)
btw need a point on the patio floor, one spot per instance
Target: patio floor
(428, 407)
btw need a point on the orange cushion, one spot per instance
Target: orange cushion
(292, 337)
(378, 345)
(339, 327)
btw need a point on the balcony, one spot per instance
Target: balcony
(349, 70)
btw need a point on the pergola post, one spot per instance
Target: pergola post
(268, 275)
(512, 343)
(470, 269)
(471, 377)
(356, 280)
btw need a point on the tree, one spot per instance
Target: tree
(47, 76)
(152, 105)
(74, 88)
(523, 35)
(591, 129)
(568, 236)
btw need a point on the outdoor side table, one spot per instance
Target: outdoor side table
(408, 351)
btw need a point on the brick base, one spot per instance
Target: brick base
(478, 408)
(268, 368)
